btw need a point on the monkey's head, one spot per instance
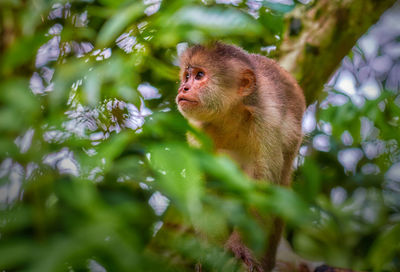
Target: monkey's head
(214, 79)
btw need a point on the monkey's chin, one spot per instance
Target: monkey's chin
(186, 106)
(190, 110)
(195, 114)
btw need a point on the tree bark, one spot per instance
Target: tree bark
(320, 36)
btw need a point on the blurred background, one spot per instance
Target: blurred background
(94, 165)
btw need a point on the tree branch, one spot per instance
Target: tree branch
(320, 36)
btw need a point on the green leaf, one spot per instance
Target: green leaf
(385, 248)
(224, 169)
(218, 20)
(180, 176)
(196, 23)
(21, 106)
(278, 6)
(66, 75)
(115, 25)
(310, 184)
(273, 24)
(22, 51)
(110, 149)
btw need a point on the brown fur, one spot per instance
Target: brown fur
(252, 109)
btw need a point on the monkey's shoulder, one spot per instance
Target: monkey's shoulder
(269, 67)
(278, 87)
(262, 60)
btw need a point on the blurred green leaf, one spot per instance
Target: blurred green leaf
(66, 75)
(115, 25)
(22, 107)
(310, 185)
(280, 7)
(109, 150)
(386, 240)
(196, 24)
(224, 169)
(220, 21)
(180, 176)
(17, 54)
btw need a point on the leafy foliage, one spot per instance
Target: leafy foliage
(93, 150)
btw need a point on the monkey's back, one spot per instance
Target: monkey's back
(283, 106)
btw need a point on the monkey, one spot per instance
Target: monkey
(252, 109)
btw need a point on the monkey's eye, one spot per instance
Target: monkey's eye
(186, 77)
(199, 75)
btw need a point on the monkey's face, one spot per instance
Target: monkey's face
(198, 95)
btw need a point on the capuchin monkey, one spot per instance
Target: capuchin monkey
(252, 109)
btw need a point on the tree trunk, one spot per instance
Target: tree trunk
(332, 26)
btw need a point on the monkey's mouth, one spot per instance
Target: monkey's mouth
(183, 100)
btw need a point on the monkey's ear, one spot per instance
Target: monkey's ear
(247, 82)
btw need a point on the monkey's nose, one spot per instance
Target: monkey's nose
(185, 89)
